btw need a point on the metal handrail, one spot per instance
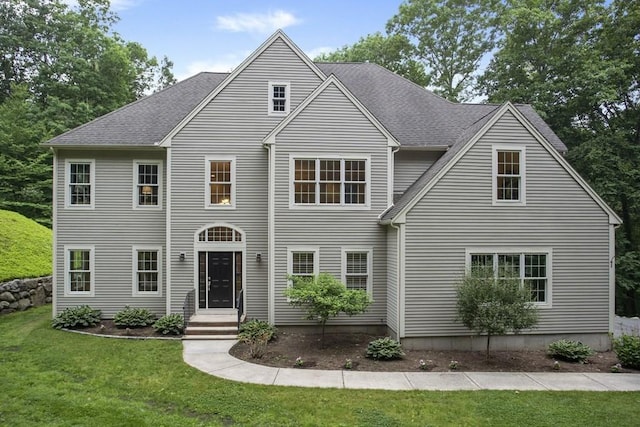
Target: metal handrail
(240, 306)
(189, 307)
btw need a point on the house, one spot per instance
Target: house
(209, 193)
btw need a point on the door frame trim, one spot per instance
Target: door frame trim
(220, 247)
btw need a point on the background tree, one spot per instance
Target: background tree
(450, 37)
(393, 52)
(494, 307)
(60, 67)
(578, 63)
(324, 297)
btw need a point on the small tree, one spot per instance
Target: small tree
(324, 297)
(494, 307)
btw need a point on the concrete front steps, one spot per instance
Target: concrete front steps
(215, 326)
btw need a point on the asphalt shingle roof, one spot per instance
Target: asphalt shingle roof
(146, 121)
(413, 115)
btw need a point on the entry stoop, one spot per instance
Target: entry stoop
(223, 326)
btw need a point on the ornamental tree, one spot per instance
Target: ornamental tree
(324, 297)
(494, 306)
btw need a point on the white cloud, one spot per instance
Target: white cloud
(319, 51)
(255, 22)
(225, 64)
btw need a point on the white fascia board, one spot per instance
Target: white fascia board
(401, 217)
(279, 34)
(332, 79)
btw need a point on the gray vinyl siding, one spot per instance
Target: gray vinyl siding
(392, 279)
(233, 123)
(409, 165)
(458, 213)
(331, 126)
(113, 227)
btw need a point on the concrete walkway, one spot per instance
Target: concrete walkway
(213, 358)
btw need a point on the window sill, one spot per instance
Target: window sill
(330, 207)
(509, 203)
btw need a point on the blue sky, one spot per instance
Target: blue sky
(216, 35)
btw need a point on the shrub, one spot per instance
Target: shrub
(627, 348)
(171, 324)
(133, 318)
(324, 297)
(494, 307)
(73, 317)
(384, 349)
(256, 333)
(570, 351)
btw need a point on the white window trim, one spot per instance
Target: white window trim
(67, 183)
(316, 259)
(136, 176)
(287, 95)
(207, 176)
(92, 270)
(320, 206)
(494, 174)
(369, 251)
(134, 268)
(520, 251)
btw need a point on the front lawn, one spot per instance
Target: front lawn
(56, 378)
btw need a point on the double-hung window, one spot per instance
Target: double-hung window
(79, 277)
(303, 261)
(148, 176)
(79, 188)
(532, 267)
(356, 268)
(509, 175)
(330, 182)
(220, 191)
(146, 270)
(279, 98)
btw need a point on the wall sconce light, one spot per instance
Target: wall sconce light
(183, 256)
(258, 257)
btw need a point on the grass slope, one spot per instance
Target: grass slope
(25, 247)
(57, 378)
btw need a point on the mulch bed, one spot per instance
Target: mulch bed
(283, 351)
(107, 327)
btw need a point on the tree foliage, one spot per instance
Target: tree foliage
(450, 38)
(494, 307)
(60, 67)
(324, 297)
(393, 52)
(578, 63)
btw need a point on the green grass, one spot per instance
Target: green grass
(56, 378)
(25, 247)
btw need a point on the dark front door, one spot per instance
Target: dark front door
(220, 279)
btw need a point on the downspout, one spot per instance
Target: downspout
(271, 149)
(612, 276)
(168, 248)
(54, 224)
(400, 271)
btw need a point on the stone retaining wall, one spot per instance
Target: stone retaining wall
(21, 294)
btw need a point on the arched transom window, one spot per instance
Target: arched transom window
(220, 233)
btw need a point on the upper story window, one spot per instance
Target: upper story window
(531, 267)
(79, 270)
(148, 176)
(79, 188)
(220, 182)
(279, 98)
(330, 182)
(509, 175)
